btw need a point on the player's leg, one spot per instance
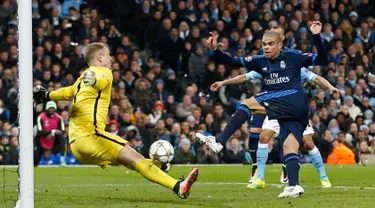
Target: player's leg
(256, 123)
(316, 159)
(129, 157)
(284, 174)
(290, 148)
(253, 147)
(242, 114)
(122, 153)
(166, 167)
(294, 132)
(262, 156)
(270, 128)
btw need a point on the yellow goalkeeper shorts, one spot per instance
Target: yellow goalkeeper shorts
(98, 149)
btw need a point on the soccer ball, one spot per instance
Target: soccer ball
(162, 151)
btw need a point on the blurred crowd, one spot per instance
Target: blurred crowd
(162, 70)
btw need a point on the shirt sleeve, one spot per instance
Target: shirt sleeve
(225, 59)
(312, 59)
(64, 93)
(251, 63)
(253, 75)
(305, 59)
(306, 74)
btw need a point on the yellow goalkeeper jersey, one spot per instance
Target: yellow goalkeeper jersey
(90, 103)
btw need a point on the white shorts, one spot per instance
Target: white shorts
(309, 129)
(274, 126)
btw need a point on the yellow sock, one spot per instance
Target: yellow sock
(155, 162)
(148, 170)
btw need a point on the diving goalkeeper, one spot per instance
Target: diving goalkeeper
(91, 96)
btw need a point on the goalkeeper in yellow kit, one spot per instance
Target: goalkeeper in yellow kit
(91, 96)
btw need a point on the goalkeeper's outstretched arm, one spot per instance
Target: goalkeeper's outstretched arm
(41, 95)
(62, 94)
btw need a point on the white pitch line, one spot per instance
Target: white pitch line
(198, 184)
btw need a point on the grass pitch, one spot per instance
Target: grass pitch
(217, 186)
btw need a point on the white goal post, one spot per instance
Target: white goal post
(26, 161)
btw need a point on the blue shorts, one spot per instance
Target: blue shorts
(285, 104)
(294, 127)
(256, 121)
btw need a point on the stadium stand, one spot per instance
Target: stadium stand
(162, 70)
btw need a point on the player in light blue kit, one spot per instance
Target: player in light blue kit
(273, 127)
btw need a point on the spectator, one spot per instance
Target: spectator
(184, 155)
(185, 109)
(354, 110)
(161, 55)
(157, 113)
(70, 159)
(341, 155)
(206, 156)
(219, 114)
(142, 92)
(47, 158)
(160, 90)
(138, 145)
(235, 153)
(114, 128)
(50, 138)
(368, 117)
(197, 66)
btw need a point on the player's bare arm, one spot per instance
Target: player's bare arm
(324, 83)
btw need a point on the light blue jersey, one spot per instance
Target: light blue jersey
(306, 75)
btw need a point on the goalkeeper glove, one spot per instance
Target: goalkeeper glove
(89, 78)
(40, 95)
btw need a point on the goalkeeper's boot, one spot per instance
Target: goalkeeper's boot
(326, 183)
(184, 185)
(257, 184)
(210, 141)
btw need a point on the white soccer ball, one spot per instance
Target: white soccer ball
(162, 151)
